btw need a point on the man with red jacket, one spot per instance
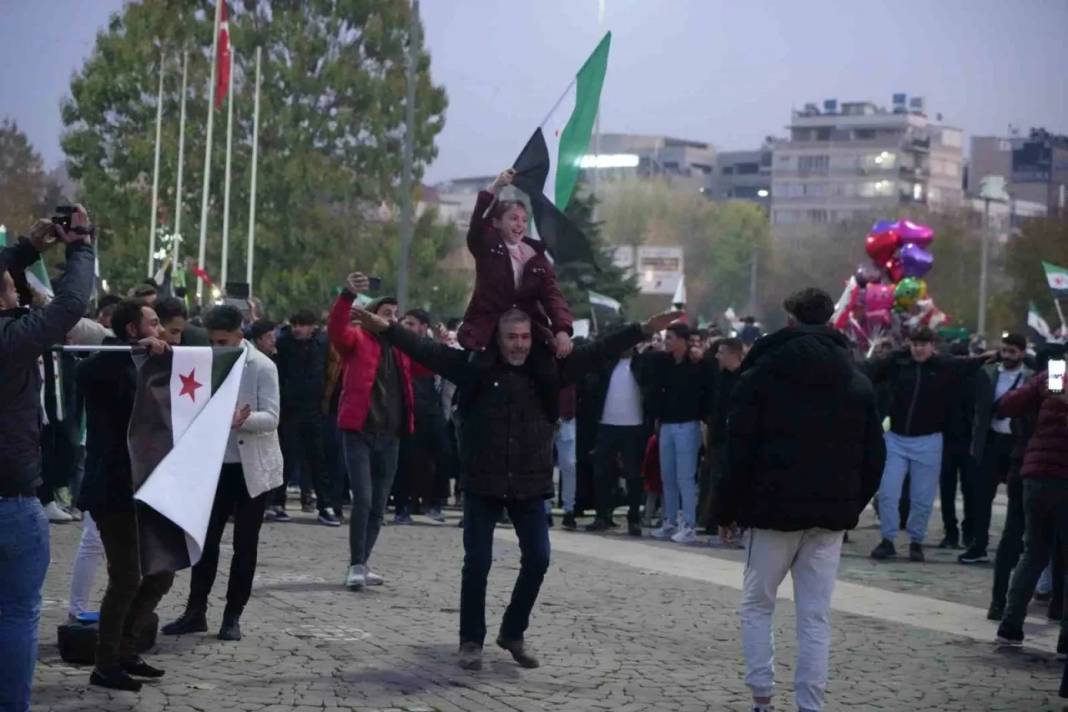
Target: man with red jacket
(1045, 478)
(375, 410)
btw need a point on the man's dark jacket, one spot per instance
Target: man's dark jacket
(985, 385)
(804, 442)
(923, 395)
(108, 381)
(508, 412)
(302, 372)
(24, 336)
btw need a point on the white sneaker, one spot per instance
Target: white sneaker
(357, 577)
(374, 579)
(55, 513)
(686, 535)
(665, 531)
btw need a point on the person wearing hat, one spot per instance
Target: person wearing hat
(375, 410)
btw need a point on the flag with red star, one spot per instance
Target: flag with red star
(178, 433)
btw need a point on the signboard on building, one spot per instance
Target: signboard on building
(623, 257)
(659, 269)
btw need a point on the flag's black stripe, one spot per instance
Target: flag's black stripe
(162, 542)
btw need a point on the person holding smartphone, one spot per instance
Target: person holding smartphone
(24, 336)
(1045, 492)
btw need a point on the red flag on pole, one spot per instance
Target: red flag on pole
(222, 69)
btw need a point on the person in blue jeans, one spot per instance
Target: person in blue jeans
(510, 405)
(681, 398)
(922, 386)
(24, 538)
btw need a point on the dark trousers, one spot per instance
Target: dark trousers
(711, 472)
(231, 497)
(1011, 544)
(303, 447)
(625, 444)
(59, 459)
(417, 471)
(956, 464)
(337, 479)
(480, 518)
(1046, 522)
(983, 485)
(372, 464)
(129, 600)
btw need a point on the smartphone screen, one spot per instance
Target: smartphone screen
(1055, 384)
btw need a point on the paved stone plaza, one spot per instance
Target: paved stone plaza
(622, 625)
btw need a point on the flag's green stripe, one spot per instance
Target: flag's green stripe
(575, 137)
(223, 359)
(41, 272)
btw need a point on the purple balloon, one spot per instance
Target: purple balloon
(882, 226)
(866, 274)
(915, 260)
(914, 233)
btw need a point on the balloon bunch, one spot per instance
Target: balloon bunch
(891, 293)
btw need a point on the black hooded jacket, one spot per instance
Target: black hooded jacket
(804, 442)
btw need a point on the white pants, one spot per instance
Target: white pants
(86, 561)
(811, 557)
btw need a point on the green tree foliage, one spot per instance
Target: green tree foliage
(720, 240)
(331, 132)
(22, 180)
(577, 279)
(1040, 239)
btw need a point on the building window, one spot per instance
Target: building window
(728, 170)
(813, 164)
(823, 134)
(863, 134)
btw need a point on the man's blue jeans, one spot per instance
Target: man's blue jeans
(680, 444)
(921, 458)
(24, 557)
(480, 518)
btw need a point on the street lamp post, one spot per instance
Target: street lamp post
(993, 190)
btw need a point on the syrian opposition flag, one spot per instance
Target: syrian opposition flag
(548, 167)
(1036, 322)
(178, 433)
(222, 57)
(1058, 280)
(603, 300)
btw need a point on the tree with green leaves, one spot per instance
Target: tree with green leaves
(22, 179)
(330, 137)
(719, 240)
(577, 279)
(1040, 239)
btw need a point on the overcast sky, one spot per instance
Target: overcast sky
(720, 71)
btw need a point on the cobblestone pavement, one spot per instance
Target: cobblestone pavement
(611, 634)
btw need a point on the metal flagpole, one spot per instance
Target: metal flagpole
(155, 174)
(226, 179)
(406, 226)
(201, 254)
(252, 189)
(175, 239)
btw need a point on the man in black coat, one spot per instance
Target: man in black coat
(804, 455)
(509, 409)
(301, 361)
(108, 380)
(24, 336)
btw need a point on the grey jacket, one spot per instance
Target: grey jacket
(24, 336)
(257, 439)
(985, 386)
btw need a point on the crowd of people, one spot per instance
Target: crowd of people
(369, 414)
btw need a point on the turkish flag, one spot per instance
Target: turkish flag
(222, 58)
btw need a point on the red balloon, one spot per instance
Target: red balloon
(881, 245)
(896, 270)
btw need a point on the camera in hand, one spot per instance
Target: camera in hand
(63, 218)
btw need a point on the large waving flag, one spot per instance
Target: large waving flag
(222, 58)
(1037, 323)
(1057, 277)
(548, 166)
(178, 432)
